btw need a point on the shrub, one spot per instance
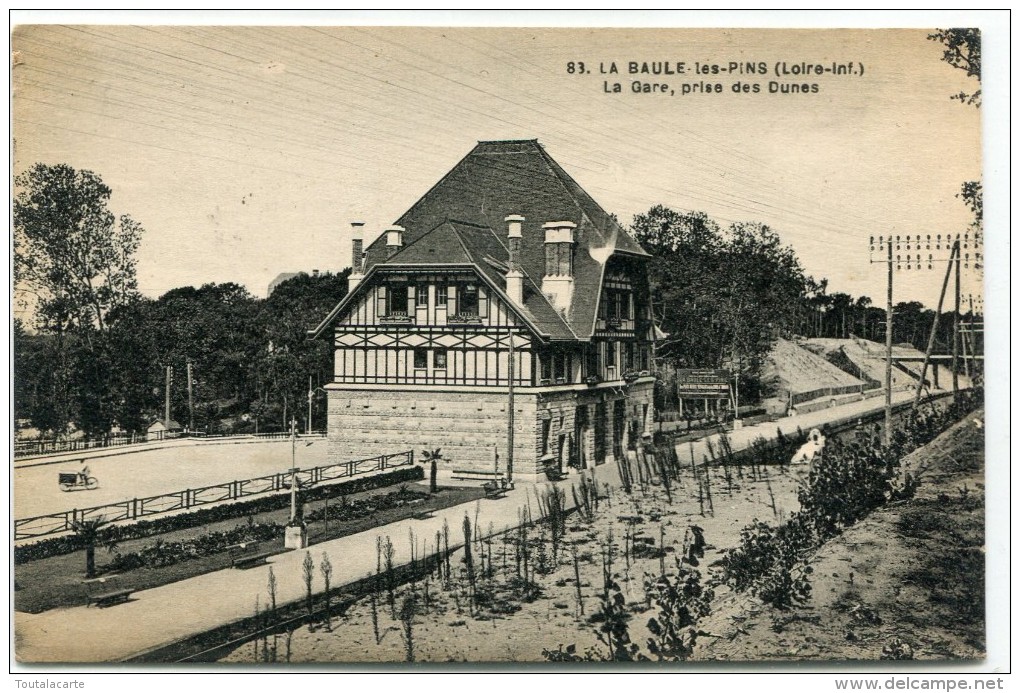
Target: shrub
(769, 562)
(682, 601)
(844, 485)
(161, 553)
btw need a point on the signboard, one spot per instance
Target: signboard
(703, 382)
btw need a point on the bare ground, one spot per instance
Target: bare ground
(913, 572)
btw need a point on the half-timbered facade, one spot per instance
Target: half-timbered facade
(505, 281)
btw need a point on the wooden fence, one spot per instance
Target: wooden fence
(32, 448)
(138, 508)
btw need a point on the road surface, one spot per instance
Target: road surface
(150, 472)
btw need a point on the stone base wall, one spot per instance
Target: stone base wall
(471, 427)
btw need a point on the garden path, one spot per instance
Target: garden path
(166, 614)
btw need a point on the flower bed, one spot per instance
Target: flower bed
(147, 528)
(160, 553)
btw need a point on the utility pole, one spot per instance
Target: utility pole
(166, 409)
(934, 329)
(915, 262)
(888, 347)
(956, 324)
(191, 403)
(972, 336)
(510, 412)
(736, 396)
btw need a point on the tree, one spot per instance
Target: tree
(326, 568)
(962, 50)
(722, 296)
(70, 251)
(88, 534)
(288, 357)
(308, 575)
(74, 260)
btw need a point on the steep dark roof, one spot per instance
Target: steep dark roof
(459, 242)
(497, 179)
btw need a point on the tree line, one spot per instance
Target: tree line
(723, 296)
(250, 362)
(97, 358)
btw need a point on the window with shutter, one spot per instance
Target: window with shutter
(468, 300)
(483, 302)
(398, 299)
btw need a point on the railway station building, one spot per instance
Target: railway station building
(505, 282)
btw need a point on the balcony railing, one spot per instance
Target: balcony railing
(464, 319)
(396, 317)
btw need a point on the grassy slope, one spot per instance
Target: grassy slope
(912, 571)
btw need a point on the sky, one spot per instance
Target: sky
(246, 151)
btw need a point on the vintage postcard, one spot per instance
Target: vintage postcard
(357, 344)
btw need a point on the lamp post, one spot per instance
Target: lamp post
(296, 532)
(311, 398)
(311, 392)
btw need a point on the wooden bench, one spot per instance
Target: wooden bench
(108, 598)
(496, 488)
(554, 474)
(250, 560)
(476, 475)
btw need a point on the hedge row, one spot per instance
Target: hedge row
(164, 553)
(58, 546)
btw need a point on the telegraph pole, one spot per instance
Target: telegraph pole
(166, 409)
(934, 328)
(191, 403)
(909, 243)
(956, 324)
(888, 347)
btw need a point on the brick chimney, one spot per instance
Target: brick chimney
(357, 253)
(558, 279)
(514, 276)
(394, 240)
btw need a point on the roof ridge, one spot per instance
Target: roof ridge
(451, 220)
